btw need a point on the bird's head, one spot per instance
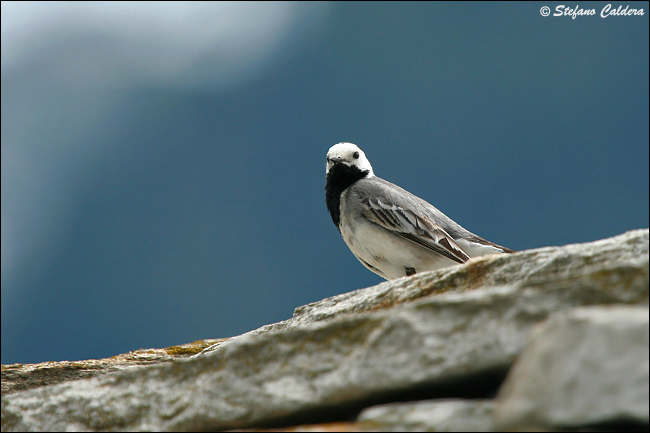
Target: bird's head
(348, 155)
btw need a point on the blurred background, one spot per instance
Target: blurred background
(163, 164)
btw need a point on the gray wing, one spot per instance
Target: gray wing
(412, 225)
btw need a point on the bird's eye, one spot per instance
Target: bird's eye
(355, 155)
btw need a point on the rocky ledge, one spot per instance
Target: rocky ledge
(549, 339)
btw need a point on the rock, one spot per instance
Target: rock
(431, 415)
(448, 333)
(20, 377)
(606, 268)
(586, 367)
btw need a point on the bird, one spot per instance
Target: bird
(392, 232)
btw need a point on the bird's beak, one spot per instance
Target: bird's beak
(335, 159)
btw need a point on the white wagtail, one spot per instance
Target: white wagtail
(391, 231)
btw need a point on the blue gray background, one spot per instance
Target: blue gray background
(163, 164)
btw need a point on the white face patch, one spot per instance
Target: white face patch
(348, 154)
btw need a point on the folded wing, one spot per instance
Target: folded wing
(416, 228)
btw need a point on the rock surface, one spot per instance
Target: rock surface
(20, 377)
(599, 352)
(431, 415)
(444, 334)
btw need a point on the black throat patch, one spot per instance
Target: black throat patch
(339, 178)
